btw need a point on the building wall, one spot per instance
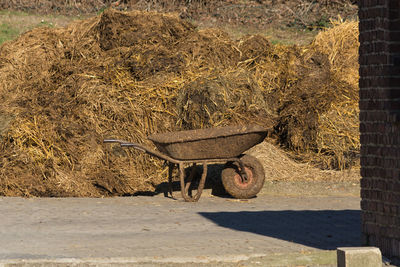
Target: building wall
(380, 123)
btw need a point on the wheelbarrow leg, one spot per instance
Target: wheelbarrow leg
(202, 182)
(189, 180)
(170, 169)
(185, 187)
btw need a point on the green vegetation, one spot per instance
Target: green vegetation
(14, 23)
(45, 23)
(321, 23)
(101, 10)
(7, 32)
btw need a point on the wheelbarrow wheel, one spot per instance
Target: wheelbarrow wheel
(238, 187)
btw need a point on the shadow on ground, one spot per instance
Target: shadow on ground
(322, 229)
(213, 182)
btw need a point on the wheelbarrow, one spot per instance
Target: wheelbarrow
(242, 175)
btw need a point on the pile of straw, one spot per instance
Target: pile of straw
(127, 75)
(338, 128)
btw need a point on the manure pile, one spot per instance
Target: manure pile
(128, 75)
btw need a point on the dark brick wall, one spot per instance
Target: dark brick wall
(380, 123)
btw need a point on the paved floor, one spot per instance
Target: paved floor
(157, 230)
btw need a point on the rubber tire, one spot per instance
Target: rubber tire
(244, 191)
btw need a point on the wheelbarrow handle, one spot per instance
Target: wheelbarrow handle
(115, 141)
(142, 148)
(127, 144)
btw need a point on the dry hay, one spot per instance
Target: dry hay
(274, 158)
(314, 91)
(128, 75)
(338, 129)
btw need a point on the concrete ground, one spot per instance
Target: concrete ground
(274, 229)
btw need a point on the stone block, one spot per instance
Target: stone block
(359, 257)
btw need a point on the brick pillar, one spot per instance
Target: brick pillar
(380, 123)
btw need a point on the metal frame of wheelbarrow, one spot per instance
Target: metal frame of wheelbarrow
(171, 164)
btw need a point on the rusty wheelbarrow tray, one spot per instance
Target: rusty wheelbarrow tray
(243, 175)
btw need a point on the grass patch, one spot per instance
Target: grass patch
(277, 34)
(14, 23)
(45, 23)
(7, 32)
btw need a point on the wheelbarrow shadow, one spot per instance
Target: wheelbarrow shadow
(322, 229)
(213, 182)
